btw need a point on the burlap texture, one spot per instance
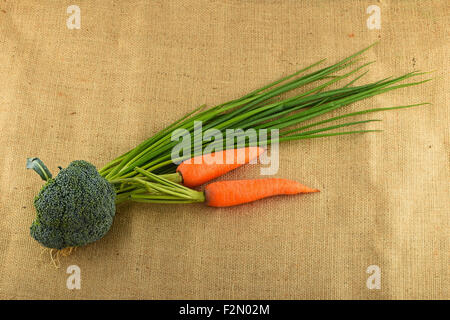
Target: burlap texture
(134, 67)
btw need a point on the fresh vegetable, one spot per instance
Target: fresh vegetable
(75, 208)
(143, 174)
(198, 170)
(231, 193)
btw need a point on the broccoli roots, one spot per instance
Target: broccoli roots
(75, 208)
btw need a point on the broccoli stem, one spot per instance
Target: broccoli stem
(41, 169)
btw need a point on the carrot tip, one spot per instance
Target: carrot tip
(310, 191)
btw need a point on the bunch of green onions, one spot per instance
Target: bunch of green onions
(146, 173)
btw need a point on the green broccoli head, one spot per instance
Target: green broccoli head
(75, 208)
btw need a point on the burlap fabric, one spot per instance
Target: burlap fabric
(134, 67)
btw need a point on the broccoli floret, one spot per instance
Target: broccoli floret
(75, 208)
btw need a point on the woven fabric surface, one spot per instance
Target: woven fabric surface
(134, 67)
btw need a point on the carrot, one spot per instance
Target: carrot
(231, 193)
(198, 170)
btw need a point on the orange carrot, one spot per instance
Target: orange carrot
(201, 169)
(231, 193)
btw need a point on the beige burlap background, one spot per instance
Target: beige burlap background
(133, 68)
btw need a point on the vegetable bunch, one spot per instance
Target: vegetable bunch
(149, 173)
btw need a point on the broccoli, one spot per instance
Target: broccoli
(73, 209)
